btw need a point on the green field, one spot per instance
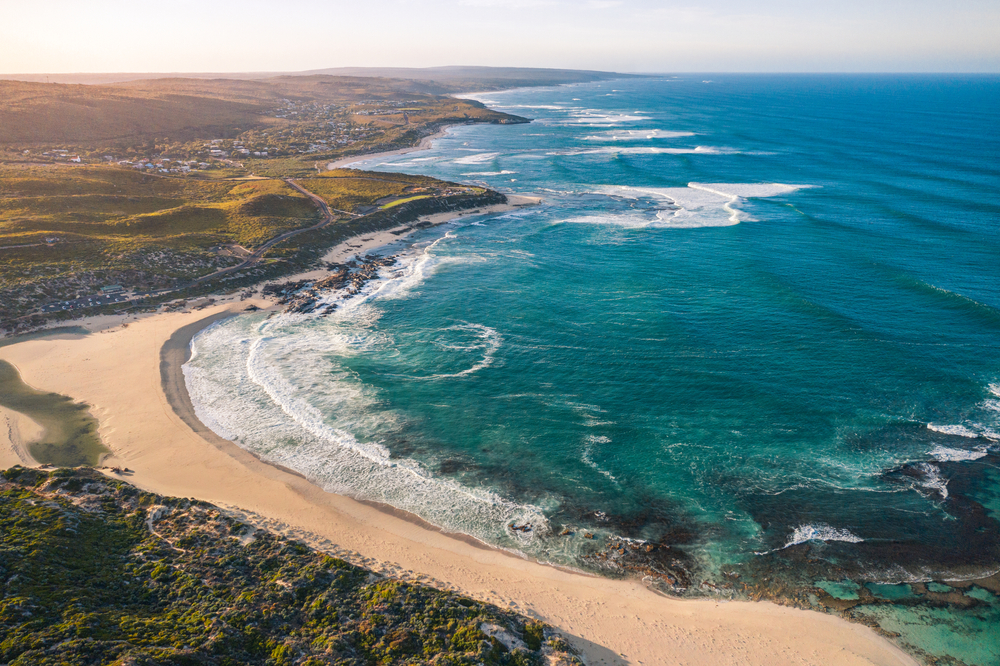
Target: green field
(398, 202)
(349, 189)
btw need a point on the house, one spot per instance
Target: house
(112, 289)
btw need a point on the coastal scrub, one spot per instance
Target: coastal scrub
(97, 571)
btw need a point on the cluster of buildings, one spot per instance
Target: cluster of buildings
(216, 149)
(162, 164)
(301, 111)
(59, 155)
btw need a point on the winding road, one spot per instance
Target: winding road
(257, 254)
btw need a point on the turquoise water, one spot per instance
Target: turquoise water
(755, 322)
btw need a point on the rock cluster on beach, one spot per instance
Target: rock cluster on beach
(304, 296)
(656, 562)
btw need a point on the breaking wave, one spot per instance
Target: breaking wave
(932, 480)
(973, 431)
(697, 205)
(279, 387)
(489, 342)
(820, 532)
(588, 451)
(644, 150)
(636, 135)
(478, 158)
(946, 454)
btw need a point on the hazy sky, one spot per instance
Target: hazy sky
(622, 35)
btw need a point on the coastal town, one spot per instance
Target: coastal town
(298, 130)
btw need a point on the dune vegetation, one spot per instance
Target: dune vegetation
(95, 571)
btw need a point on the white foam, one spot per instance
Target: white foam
(994, 389)
(489, 173)
(397, 281)
(635, 135)
(490, 341)
(946, 454)
(588, 451)
(592, 118)
(643, 150)
(412, 162)
(478, 158)
(975, 431)
(278, 388)
(820, 532)
(700, 204)
(932, 479)
(550, 107)
(262, 372)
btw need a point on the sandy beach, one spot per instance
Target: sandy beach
(16, 431)
(128, 368)
(424, 144)
(132, 378)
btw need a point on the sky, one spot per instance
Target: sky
(63, 36)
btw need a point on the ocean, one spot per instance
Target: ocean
(748, 346)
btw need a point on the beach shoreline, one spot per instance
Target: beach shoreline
(425, 144)
(16, 432)
(121, 372)
(129, 369)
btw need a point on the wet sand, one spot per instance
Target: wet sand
(132, 378)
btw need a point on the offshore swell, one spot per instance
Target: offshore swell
(762, 342)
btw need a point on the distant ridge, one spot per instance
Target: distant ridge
(452, 76)
(536, 76)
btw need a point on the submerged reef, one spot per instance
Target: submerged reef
(96, 571)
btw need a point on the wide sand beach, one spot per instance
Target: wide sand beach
(131, 376)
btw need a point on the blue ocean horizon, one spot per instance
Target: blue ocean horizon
(749, 343)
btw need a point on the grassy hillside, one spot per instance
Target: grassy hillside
(65, 231)
(32, 113)
(114, 116)
(121, 210)
(95, 571)
(350, 189)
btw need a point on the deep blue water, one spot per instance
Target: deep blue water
(755, 320)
